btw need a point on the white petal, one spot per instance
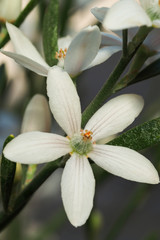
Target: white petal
(125, 163)
(103, 54)
(36, 147)
(107, 139)
(99, 13)
(37, 115)
(82, 50)
(78, 186)
(64, 100)
(126, 14)
(110, 39)
(23, 46)
(115, 115)
(28, 63)
(64, 42)
(156, 23)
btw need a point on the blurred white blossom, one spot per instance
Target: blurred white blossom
(75, 55)
(10, 10)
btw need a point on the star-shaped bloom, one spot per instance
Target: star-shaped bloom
(78, 183)
(74, 55)
(130, 13)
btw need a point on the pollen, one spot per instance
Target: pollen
(61, 54)
(87, 135)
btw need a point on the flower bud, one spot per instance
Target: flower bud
(9, 10)
(37, 115)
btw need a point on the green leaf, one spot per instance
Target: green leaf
(140, 137)
(50, 32)
(8, 169)
(150, 71)
(2, 79)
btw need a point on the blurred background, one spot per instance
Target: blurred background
(123, 210)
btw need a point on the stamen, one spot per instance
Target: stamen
(87, 135)
(61, 54)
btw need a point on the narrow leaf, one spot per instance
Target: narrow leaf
(140, 137)
(150, 71)
(2, 79)
(50, 32)
(7, 177)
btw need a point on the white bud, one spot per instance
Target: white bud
(37, 115)
(10, 9)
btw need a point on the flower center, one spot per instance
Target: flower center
(152, 8)
(61, 54)
(81, 143)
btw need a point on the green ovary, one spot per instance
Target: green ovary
(81, 145)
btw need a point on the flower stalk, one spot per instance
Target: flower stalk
(107, 88)
(28, 191)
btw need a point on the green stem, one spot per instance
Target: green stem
(141, 56)
(26, 194)
(20, 19)
(107, 88)
(125, 41)
(137, 197)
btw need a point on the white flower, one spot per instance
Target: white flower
(75, 55)
(112, 39)
(9, 10)
(78, 183)
(129, 13)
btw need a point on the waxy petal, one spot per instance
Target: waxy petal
(78, 186)
(64, 42)
(99, 13)
(9, 10)
(36, 147)
(156, 23)
(28, 63)
(126, 14)
(64, 100)
(115, 116)
(82, 50)
(24, 47)
(104, 54)
(37, 116)
(125, 163)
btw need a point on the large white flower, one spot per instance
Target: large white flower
(78, 184)
(75, 55)
(129, 13)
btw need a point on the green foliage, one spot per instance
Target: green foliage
(50, 32)
(150, 71)
(2, 79)
(140, 137)
(7, 177)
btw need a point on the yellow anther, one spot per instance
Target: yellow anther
(87, 135)
(61, 54)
